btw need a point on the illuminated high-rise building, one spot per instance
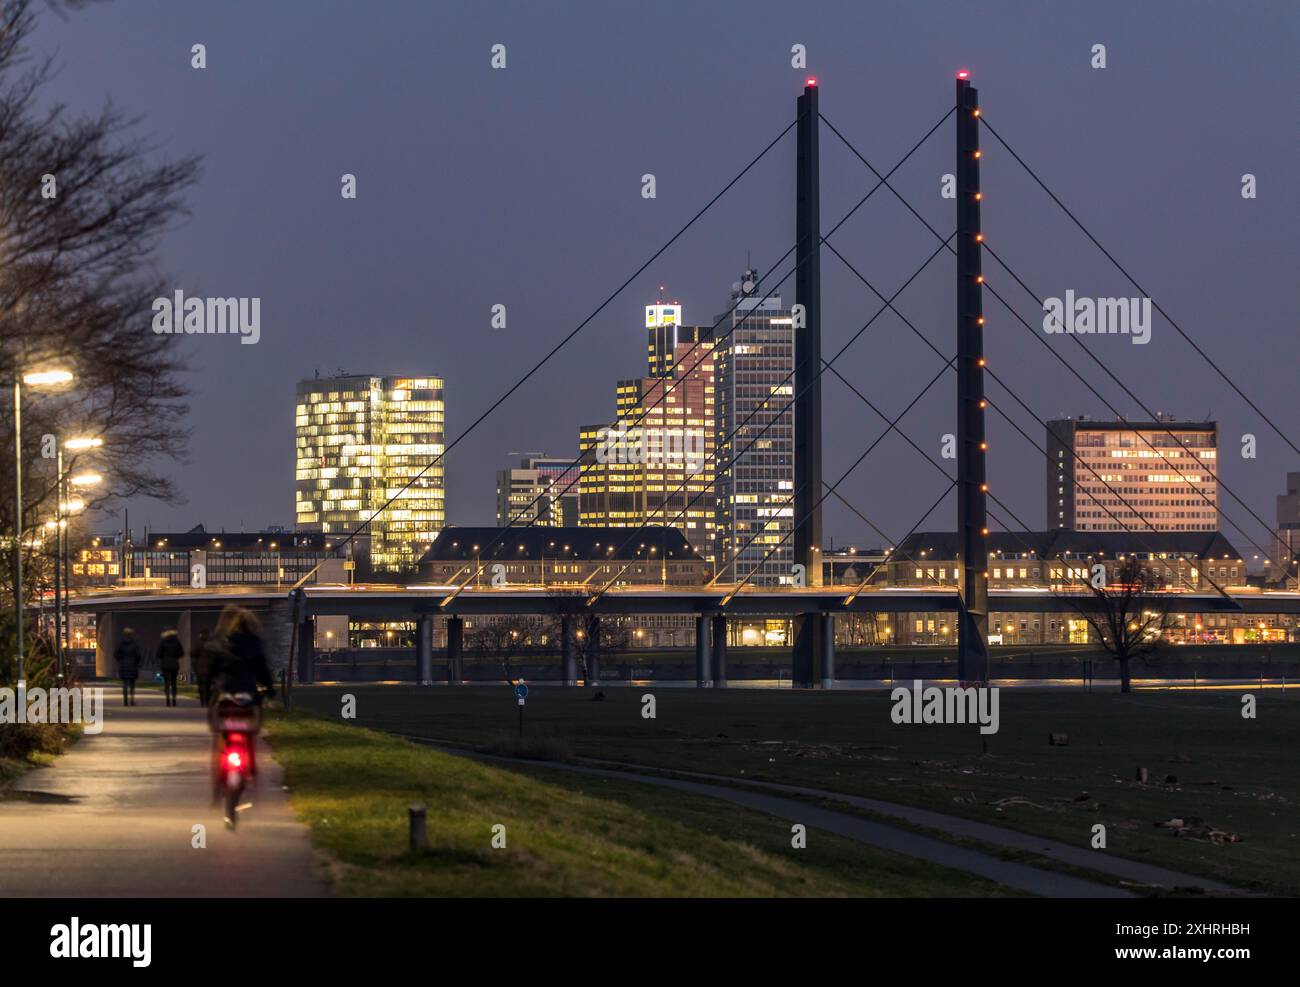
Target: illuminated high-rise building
(542, 490)
(654, 463)
(754, 361)
(360, 440)
(1135, 476)
(666, 333)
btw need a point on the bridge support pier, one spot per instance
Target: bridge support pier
(827, 632)
(568, 658)
(593, 652)
(814, 651)
(183, 631)
(719, 651)
(803, 672)
(455, 650)
(307, 650)
(424, 650)
(701, 651)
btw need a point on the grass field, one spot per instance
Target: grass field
(1237, 775)
(564, 835)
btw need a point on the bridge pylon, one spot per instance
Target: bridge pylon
(972, 446)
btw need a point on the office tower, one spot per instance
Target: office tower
(665, 334)
(1286, 547)
(755, 481)
(1129, 477)
(361, 439)
(654, 463)
(540, 491)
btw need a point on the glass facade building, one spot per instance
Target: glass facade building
(361, 439)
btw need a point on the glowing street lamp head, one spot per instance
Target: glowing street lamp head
(86, 479)
(83, 442)
(39, 378)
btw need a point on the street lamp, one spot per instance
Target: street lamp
(38, 378)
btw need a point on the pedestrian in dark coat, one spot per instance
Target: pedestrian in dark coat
(128, 659)
(170, 652)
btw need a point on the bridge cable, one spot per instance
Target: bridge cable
(1067, 365)
(557, 347)
(665, 391)
(1086, 232)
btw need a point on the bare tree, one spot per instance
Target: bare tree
(83, 205)
(1127, 611)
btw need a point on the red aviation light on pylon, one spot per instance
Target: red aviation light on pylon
(810, 81)
(963, 74)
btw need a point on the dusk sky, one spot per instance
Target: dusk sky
(521, 186)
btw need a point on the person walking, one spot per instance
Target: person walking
(170, 652)
(128, 660)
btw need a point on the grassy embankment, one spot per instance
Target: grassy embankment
(1204, 760)
(564, 836)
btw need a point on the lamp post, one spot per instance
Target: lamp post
(35, 379)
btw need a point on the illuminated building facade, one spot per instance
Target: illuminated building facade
(655, 464)
(755, 476)
(1056, 563)
(665, 335)
(97, 563)
(234, 558)
(1129, 477)
(541, 491)
(563, 557)
(360, 440)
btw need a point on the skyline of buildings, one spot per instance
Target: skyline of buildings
(359, 438)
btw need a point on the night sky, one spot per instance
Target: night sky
(522, 187)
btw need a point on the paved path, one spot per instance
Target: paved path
(1022, 877)
(769, 797)
(1128, 870)
(114, 818)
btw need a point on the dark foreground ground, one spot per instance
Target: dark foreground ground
(1232, 781)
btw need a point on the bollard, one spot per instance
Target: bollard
(418, 828)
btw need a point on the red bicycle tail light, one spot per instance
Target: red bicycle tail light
(234, 759)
